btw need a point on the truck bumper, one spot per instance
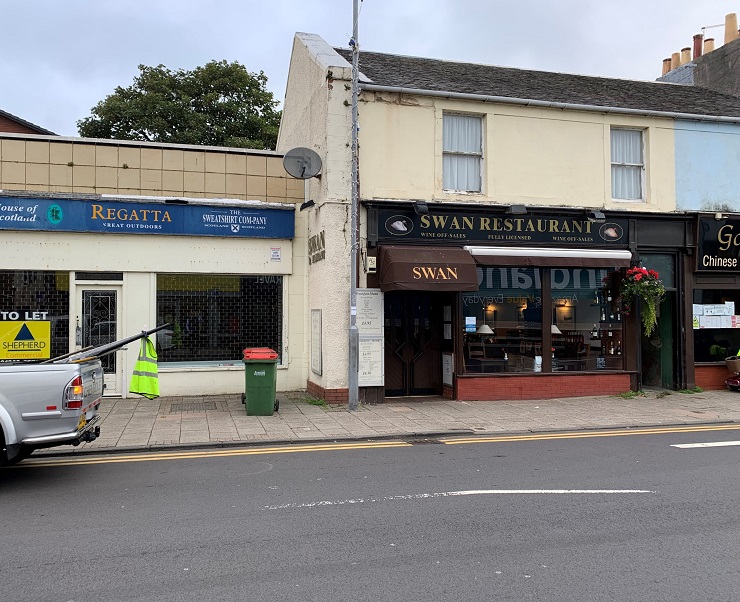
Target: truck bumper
(89, 432)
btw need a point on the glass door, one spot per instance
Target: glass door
(98, 324)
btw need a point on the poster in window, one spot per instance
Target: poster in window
(371, 362)
(316, 341)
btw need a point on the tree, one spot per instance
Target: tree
(218, 104)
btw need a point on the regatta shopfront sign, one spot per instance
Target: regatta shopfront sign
(132, 217)
(451, 227)
(719, 245)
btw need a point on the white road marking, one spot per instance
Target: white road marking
(709, 444)
(422, 496)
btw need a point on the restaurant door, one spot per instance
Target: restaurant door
(413, 358)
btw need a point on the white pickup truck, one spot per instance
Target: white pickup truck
(54, 402)
(48, 404)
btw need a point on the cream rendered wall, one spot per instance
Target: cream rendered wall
(317, 115)
(532, 156)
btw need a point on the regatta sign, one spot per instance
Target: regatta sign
(181, 217)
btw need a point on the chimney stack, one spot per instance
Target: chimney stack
(730, 27)
(666, 66)
(675, 60)
(685, 55)
(697, 45)
(708, 45)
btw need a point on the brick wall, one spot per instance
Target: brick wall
(710, 377)
(13, 127)
(330, 396)
(545, 386)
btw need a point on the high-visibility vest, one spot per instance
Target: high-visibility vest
(144, 380)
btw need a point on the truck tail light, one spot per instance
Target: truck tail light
(73, 394)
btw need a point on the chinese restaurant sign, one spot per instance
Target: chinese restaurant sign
(133, 217)
(719, 245)
(450, 226)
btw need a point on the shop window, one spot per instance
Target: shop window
(215, 317)
(503, 321)
(627, 164)
(715, 316)
(587, 323)
(41, 296)
(462, 152)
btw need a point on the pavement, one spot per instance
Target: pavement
(136, 424)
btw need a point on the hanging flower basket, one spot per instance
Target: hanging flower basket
(646, 285)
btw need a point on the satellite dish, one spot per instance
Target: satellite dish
(302, 163)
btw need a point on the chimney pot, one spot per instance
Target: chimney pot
(675, 60)
(708, 45)
(666, 66)
(730, 27)
(698, 38)
(685, 55)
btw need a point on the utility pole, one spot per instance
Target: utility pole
(354, 335)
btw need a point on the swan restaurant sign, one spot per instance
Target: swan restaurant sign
(180, 217)
(497, 228)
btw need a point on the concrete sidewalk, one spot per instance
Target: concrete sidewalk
(141, 424)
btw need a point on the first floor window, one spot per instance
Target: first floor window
(462, 152)
(627, 164)
(215, 317)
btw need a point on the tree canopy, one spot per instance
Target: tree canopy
(218, 104)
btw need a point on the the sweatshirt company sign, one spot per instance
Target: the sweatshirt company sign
(719, 245)
(450, 226)
(133, 217)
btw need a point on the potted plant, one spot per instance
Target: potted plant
(646, 285)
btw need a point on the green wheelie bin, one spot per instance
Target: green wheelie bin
(260, 379)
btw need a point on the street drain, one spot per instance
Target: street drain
(192, 406)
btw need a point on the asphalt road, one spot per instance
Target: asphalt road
(584, 519)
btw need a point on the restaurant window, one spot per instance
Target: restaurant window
(627, 164)
(215, 317)
(715, 314)
(462, 152)
(503, 321)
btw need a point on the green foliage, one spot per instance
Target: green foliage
(691, 391)
(218, 104)
(631, 394)
(314, 401)
(646, 285)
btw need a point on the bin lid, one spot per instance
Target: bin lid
(260, 353)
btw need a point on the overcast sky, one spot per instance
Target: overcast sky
(58, 58)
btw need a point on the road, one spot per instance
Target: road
(559, 518)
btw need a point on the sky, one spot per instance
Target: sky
(59, 58)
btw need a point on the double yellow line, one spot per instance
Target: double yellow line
(289, 449)
(208, 453)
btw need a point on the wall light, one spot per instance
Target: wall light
(596, 216)
(306, 205)
(517, 210)
(421, 208)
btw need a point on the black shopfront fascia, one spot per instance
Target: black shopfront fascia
(458, 225)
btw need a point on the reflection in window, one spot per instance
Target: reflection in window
(585, 326)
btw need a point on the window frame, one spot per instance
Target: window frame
(642, 165)
(479, 153)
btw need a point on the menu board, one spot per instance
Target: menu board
(371, 362)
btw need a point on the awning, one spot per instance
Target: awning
(551, 257)
(426, 269)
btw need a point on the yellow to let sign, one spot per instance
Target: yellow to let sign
(25, 340)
